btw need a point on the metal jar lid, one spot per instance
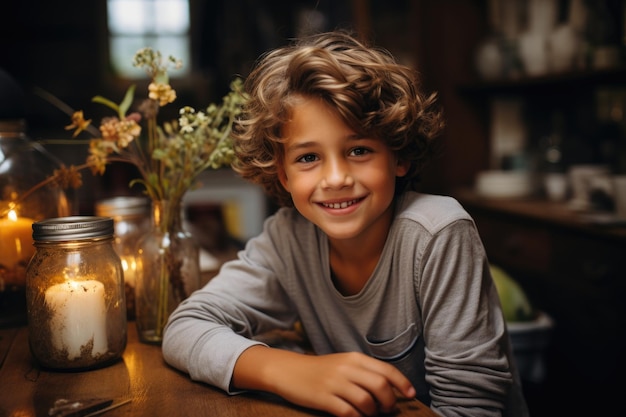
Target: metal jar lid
(72, 228)
(123, 206)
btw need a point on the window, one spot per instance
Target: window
(160, 24)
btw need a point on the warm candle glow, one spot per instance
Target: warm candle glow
(78, 323)
(129, 265)
(16, 242)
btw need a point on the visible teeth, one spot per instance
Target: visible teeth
(339, 205)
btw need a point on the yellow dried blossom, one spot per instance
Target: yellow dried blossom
(108, 128)
(127, 131)
(120, 132)
(97, 159)
(163, 93)
(78, 122)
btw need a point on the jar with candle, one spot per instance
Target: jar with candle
(131, 220)
(75, 294)
(24, 164)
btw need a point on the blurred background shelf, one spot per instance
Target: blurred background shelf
(573, 271)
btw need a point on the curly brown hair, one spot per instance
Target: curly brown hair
(374, 95)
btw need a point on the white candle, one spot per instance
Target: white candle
(78, 317)
(16, 242)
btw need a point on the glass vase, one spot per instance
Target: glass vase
(23, 165)
(168, 270)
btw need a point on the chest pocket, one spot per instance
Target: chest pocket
(406, 352)
(396, 348)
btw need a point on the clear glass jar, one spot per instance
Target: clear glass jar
(75, 295)
(131, 220)
(23, 165)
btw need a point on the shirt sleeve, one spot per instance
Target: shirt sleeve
(467, 355)
(209, 330)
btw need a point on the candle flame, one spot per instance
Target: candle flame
(128, 263)
(12, 215)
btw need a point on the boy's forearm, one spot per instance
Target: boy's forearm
(257, 368)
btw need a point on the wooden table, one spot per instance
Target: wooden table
(153, 388)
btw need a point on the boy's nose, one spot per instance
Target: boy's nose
(337, 175)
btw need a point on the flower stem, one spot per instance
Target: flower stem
(162, 306)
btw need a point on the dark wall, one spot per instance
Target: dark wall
(51, 45)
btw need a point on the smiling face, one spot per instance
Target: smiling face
(340, 181)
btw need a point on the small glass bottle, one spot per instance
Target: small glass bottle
(131, 220)
(74, 294)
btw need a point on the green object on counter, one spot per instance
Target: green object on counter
(515, 304)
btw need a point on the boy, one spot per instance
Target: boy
(392, 287)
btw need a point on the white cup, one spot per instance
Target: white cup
(556, 186)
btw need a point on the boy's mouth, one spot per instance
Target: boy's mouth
(343, 204)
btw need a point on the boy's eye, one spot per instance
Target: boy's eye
(307, 158)
(359, 151)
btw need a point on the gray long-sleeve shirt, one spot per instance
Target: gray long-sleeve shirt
(430, 308)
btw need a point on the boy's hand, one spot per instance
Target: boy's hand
(343, 384)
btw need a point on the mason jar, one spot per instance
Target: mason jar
(75, 294)
(131, 220)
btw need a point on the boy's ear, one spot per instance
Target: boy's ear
(402, 167)
(282, 177)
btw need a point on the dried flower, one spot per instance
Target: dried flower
(78, 123)
(169, 156)
(68, 177)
